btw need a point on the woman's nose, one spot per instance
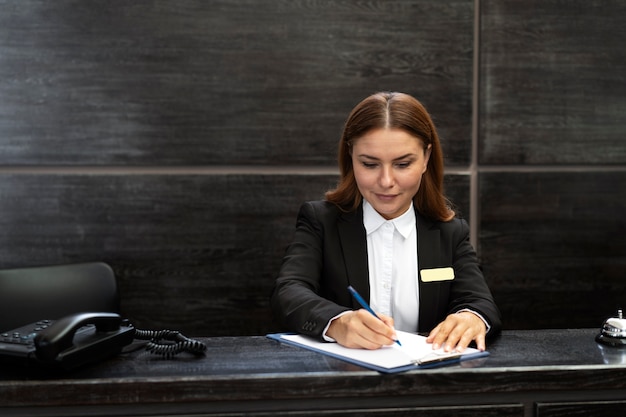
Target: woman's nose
(386, 177)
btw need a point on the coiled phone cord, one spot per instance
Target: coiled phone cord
(169, 343)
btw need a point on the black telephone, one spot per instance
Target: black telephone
(84, 338)
(68, 342)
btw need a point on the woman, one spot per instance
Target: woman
(388, 231)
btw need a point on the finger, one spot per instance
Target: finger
(433, 333)
(442, 334)
(480, 342)
(362, 342)
(454, 338)
(357, 341)
(379, 331)
(464, 342)
(390, 323)
(476, 330)
(461, 334)
(387, 320)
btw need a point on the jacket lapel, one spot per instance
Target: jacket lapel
(427, 243)
(354, 244)
(428, 257)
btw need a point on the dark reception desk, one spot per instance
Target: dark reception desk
(529, 373)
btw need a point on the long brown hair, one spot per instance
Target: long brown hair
(398, 111)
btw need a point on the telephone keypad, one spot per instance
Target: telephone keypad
(25, 335)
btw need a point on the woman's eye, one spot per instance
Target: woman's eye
(403, 164)
(369, 165)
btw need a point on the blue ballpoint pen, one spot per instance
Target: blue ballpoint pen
(366, 306)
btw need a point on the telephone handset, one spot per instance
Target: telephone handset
(68, 342)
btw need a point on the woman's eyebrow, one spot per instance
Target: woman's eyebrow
(408, 155)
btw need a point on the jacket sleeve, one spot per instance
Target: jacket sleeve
(469, 289)
(297, 299)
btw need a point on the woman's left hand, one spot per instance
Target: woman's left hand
(457, 331)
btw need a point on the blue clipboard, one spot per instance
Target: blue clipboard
(378, 360)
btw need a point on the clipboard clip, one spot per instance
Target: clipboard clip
(436, 358)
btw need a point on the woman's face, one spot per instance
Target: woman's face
(388, 166)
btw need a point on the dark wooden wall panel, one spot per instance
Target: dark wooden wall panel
(553, 82)
(553, 96)
(220, 82)
(553, 247)
(197, 253)
(457, 189)
(94, 91)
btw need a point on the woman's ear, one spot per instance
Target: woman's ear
(427, 153)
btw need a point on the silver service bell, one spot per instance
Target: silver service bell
(613, 332)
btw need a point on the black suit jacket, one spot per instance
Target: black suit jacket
(329, 252)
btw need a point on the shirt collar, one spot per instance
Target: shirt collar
(372, 220)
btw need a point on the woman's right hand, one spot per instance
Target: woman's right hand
(361, 330)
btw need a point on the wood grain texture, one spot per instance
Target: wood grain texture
(574, 409)
(220, 82)
(196, 253)
(232, 83)
(553, 247)
(553, 82)
(256, 376)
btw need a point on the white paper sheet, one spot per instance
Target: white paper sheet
(414, 351)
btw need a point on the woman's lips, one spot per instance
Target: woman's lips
(386, 197)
